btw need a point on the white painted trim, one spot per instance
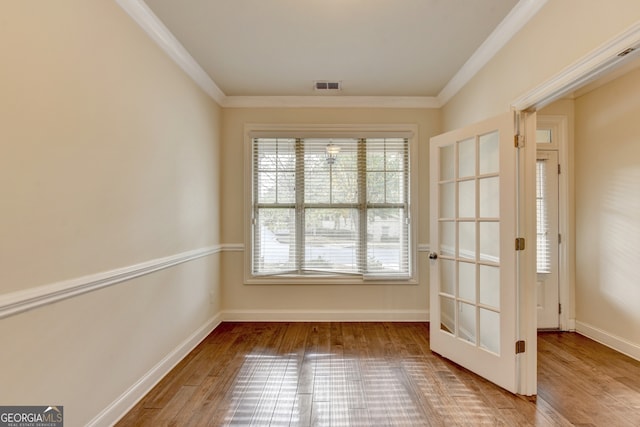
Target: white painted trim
(29, 299)
(335, 101)
(153, 26)
(127, 400)
(326, 315)
(306, 130)
(239, 247)
(232, 247)
(510, 25)
(587, 68)
(610, 340)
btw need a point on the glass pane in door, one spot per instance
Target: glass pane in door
(467, 158)
(447, 314)
(447, 238)
(447, 163)
(489, 159)
(489, 323)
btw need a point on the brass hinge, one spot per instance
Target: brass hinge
(559, 308)
(559, 169)
(520, 347)
(519, 243)
(559, 238)
(518, 140)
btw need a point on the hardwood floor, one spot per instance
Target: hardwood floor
(379, 374)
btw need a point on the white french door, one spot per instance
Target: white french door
(473, 283)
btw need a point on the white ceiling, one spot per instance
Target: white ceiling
(376, 48)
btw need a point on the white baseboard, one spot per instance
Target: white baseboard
(326, 316)
(127, 400)
(603, 337)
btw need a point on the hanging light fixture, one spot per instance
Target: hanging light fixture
(332, 151)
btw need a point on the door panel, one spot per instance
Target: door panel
(547, 271)
(473, 228)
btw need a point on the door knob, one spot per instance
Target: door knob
(433, 255)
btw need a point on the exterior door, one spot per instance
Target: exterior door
(473, 283)
(547, 257)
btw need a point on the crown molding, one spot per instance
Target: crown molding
(510, 25)
(331, 101)
(153, 26)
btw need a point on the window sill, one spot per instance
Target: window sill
(334, 280)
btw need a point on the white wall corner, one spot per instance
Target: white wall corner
(127, 400)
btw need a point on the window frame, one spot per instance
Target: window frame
(408, 131)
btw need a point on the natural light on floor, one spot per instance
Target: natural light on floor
(329, 389)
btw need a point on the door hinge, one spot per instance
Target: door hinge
(519, 243)
(559, 169)
(518, 140)
(520, 347)
(559, 238)
(559, 308)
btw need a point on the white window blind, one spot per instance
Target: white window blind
(314, 215)
(543, 252)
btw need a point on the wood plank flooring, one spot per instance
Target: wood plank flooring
(379, 374)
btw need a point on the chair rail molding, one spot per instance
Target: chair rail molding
(20, 301)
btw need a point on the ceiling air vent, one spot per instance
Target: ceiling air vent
(324, 85)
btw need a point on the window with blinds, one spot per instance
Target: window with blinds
(543, 251)
(336, 206)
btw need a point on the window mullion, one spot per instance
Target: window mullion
(362, 206)
(299, 211)
(407, 211)
(254, 214)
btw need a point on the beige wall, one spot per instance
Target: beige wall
(109, 158)
(607, 208)
(562, 32)
(251, 299)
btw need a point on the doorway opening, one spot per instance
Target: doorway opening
(553, 236)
